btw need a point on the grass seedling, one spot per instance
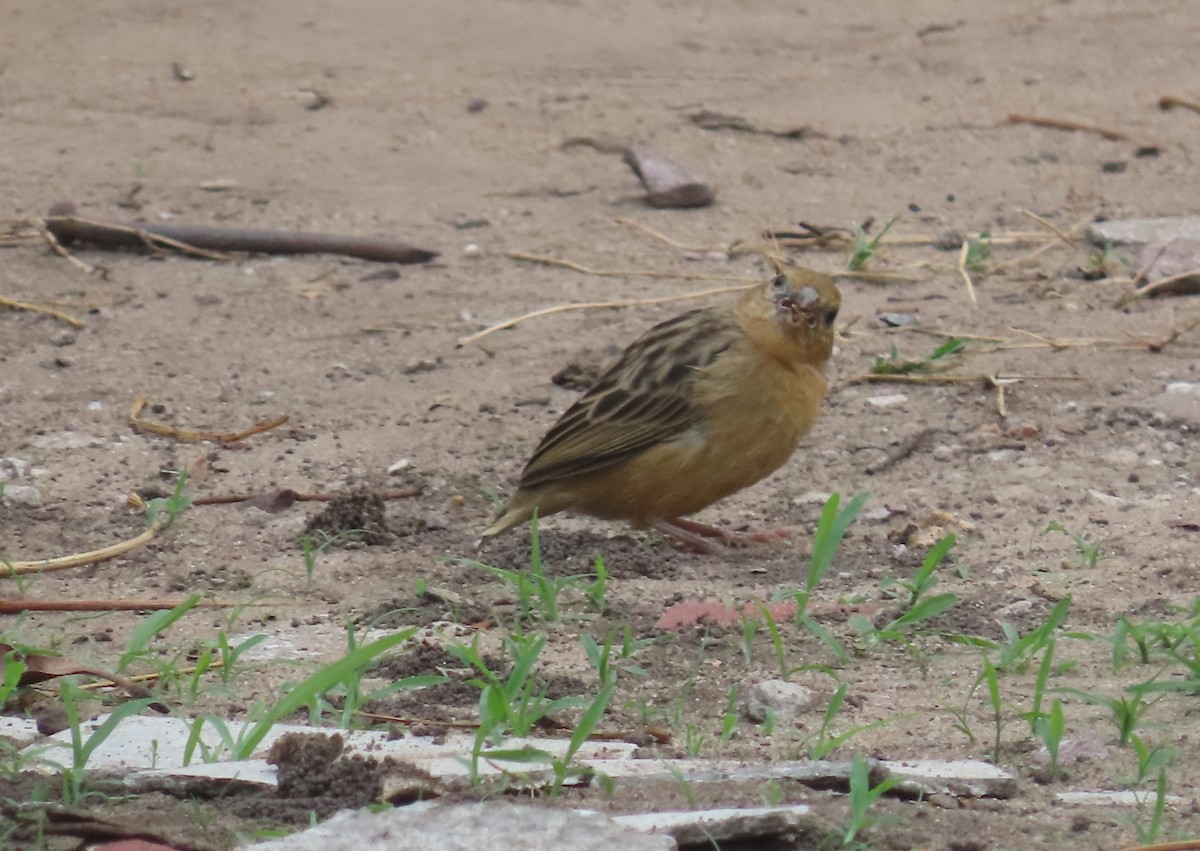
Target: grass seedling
(600, 656)
(354, 699)
(597, 590)
(1018, 651)
(1035, 716)
(729, 720)
(862, 797)
(537, 593)
(516, 703)
(1151, 760)
(935, 361)
(149, 628)
(163, 511)
(1103, 263)
(1148, 833)
(865, 247)
(1050, 728)
(1127, 711)
(81, 748)
(306, 693)
(750, 628)
(315, 543)
(989, 678)
(831, 529)
(827, 744)
(979, 249)
(1089, 551)
(916, 606)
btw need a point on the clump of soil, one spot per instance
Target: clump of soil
(358, 513)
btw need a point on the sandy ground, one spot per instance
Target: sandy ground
(907, 108)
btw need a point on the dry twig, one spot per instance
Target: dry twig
(25, 604)
(35, 308)
(624, 273)
(1067, 124)
(196, 436)
(962, 270)
(594, 305)
(1184, 282)
(22, 568)
(1169, 101)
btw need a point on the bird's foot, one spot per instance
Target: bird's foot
(709, 539)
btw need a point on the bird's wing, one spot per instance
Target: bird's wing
(644, 399)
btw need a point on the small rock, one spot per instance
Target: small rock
(472, 250)
(887, 401)
(477, 105)
(896, 320)
(1123, 798)
(448, 825)
(221, 184)
(13, 468)
(785, 701)
(26, 496)
(1134, 231)
(423, 365)
(1105, 498)
(1183, 387)
(399, 466)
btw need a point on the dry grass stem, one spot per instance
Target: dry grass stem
(22, 568)
(1169, 283)
(952, 378)
(1069, 240)
(57, 247)
(196, 436)
(35, 308)
(595, 305)
(25, 604)
(1067, 124)
(623, 273)
(962, 270)
(1169, 101)
(874, 277)
(661, 237)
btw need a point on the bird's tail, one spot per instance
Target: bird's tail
(515, 512)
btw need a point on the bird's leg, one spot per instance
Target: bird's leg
(700, 542)
(708, 539)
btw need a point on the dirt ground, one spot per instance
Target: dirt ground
(440, 123)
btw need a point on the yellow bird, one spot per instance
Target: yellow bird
(697, 408)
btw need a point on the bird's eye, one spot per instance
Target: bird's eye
(780, 283)
(831, 316)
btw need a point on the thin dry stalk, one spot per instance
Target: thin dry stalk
(196, 436)
(214, 665)
(622, 273)
(661, 237)
(1050, 227)
(1157, 286)
(35, 308)
(57, 247)
(1169, 101)
(25, 604)
(1025, 258)
(962, 270)
(1068, 124)
(594, 305)
(874, 277)
(951, 378)
(22, 568)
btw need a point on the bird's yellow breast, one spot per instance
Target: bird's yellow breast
(754, 411)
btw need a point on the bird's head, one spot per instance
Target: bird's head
(793, 314)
